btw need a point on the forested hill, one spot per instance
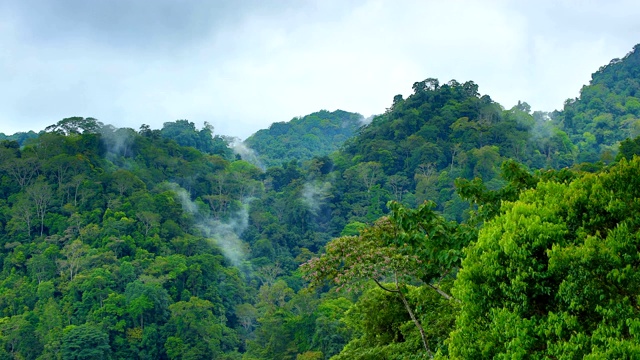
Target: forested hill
(302, 138)
(422, 144)
(442, 132)
(607, 110)
(19, 137)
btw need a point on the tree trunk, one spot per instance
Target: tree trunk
(442, 293)
(417, 323)
(415, 320)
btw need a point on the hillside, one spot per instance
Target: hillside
(20, 137)
(607, 110)
(422, 144)
(107, 252)
(302, 138)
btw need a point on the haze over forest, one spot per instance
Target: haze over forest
(447, 227)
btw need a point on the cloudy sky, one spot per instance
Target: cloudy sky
(243, 64)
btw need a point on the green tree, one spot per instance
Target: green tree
(23, 215)
(42, 264)
(629, 148)
(74, 258)
(50, 324)
(146, 300)
(41, 195)
(75, 125)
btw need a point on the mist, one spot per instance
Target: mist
(226, 235)
(315, 194)
(367, 120)
(246, 153)
(118, 141)
(542, 128)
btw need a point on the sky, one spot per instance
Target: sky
(241, 65)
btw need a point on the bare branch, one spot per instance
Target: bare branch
(384, 288)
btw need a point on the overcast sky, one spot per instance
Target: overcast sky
(242, 65)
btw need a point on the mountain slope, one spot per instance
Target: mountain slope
(607, 110)
(303, 138)
(441, 132)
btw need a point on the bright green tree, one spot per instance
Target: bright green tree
(555, 275)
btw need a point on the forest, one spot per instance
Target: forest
(447, 227)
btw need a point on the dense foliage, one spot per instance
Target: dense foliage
(185, 133)
(556, 275)
(421, 145)
(104, 256)
(448, 227)
(159, 250)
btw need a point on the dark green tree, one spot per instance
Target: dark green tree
(85, 342)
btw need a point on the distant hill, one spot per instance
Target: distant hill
(20, 137)
(422, 144)
(184, 132)
(303, 138)
(607, 110)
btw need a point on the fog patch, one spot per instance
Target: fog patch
(366, 120)
(226, 235)
(542, 128)
(315, 194)
(245, 152)
(117, 141)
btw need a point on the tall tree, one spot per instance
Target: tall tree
(41, 195)
(406, 246)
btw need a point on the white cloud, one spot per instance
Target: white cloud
(243, 67)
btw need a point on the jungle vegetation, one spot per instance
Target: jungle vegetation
(448, 227)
